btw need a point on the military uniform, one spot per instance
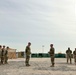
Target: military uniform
(2, 56)
(27, 52)
(6, 55)
(52, 55)
(69, 55)
(0, 53)
(74, 53)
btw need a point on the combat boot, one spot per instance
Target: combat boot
(52, 65)
(27, 65)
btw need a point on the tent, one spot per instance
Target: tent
(12, 53)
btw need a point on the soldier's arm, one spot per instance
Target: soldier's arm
(73, 54)
(66, 51)
(71, 51)
(26, 50)
(49, 52)
(54, 50)
(6, 52)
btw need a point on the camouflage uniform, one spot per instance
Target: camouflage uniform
(74, 53)
(52, 55)
(69, 55)
(6, 55)
(0, 53)
(28, 53)
(2, 56)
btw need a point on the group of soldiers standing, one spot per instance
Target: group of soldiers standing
(51, 53)
(3, 55)
(69, 55)
(28, 53)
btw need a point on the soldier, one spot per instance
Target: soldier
(2, 55)
(69, 55)
(28, 53)
(74, 54)
(6, 55)
(52, 54)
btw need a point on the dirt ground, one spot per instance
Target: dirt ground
(39, 66)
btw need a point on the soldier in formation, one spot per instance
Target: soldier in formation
(74, 55)
(28, 53)
(6, 55)
(52, 54)
(69, 55)
(3, 55)
(0, 53)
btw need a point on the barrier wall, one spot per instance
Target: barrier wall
(40, 55)
(46, 55)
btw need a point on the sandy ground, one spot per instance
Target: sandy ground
(39, 66)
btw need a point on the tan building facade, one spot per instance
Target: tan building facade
(12, 53)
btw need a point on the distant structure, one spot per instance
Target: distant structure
(12, 53)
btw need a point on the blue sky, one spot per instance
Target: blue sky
(41, 22)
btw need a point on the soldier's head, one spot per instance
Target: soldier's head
(7, 47)
(68, 48)
(29, 43)
(3, 46)
(51, 45)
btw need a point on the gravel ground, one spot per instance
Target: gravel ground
(39, 66)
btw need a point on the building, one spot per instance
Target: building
(12, 53)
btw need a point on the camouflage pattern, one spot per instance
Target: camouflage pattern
(6, 55)
(2, 55)
(69, 55)
(27, 52)
(74, 53)
(52, 55)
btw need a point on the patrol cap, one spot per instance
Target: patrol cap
(51, 44)
(68, 47)
(7, 47)
(29, 43)
(3, 45)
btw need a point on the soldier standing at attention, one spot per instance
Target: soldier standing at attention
(6, 55)
(28, 53)
(2, 55)
(69, 55)
(52, 55)
(74, 54)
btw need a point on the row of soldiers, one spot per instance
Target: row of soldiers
(51, 53)
(69, 55)
(3, 55)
